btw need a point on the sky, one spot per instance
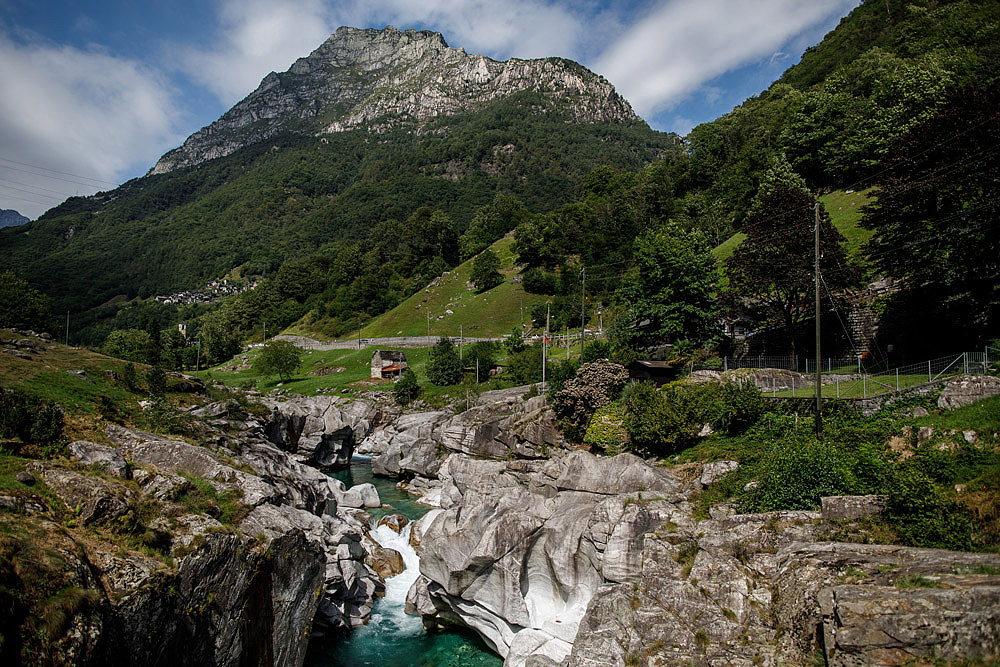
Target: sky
(92, 92)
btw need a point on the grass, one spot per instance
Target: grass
(845, 214)
(880, 384)
(493, 313)
(357, 368)
(983, 417)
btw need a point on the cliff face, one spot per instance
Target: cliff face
(376, 79)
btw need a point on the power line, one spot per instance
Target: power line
(55, 171)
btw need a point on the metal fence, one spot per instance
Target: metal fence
(844, 381)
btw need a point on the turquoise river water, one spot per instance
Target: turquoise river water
(391, 638)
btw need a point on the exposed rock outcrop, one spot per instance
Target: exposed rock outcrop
(586, 561)
(501, 425)
(320, 430)
(378, 78)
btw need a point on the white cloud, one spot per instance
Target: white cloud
(681, 44)
(255, 37)
(78, 112)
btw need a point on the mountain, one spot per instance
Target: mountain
(366, 130)
(11, 218)
(377, 79)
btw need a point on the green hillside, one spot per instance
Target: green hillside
(493, 313)
(845, 214)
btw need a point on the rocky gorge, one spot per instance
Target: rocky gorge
(551, 554)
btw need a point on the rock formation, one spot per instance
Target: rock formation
(373, 79)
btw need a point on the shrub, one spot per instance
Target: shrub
(607, 429)
(25, 417)
(525, 367)
(796, 473)
(742, 407)
(660, 422)
(599, 349)
(560, 372)
(595, 385)
(514, 343)
(407, 389)
(537, 281)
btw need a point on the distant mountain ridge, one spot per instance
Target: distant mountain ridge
(376, 79)
(11, 218)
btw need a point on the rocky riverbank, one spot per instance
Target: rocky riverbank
(229, 551)
(560, 557)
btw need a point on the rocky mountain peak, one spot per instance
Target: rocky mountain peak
(376, 79)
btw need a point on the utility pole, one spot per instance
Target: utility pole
(461, 339)
(583, 301)
(197, 359)
(67, 328)
(428, 313)
(545, 340)
(819, 366)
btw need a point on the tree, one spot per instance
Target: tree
(669, 292)
(278, 357)
(407, 389)
(935, 218)
(481, 357)
(486, 271)
(443, 365)
(127, 344)
(771, 273)
(22, 306)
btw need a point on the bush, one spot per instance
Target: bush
(742, 407)
(443, 365)
(923, 516)
(607, 430)
(28, 419)
(560, 372)
(796, 473)
(537, 281)
(599, 349)
(407, 389)
(525, 367)
(661, 422)
(514, 343)
(596, 384)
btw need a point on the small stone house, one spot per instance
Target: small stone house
(388, 364)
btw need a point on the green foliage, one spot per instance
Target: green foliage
(156, 380)
(22, 306)
(607, 430)
(771, 274)
(934, 219)
(130, 377)
(481, 356)
(278, 357)
(662, 421)
(127, 344)
(595, 385)
(203, 498)
(514, 343)
(443, 365)
(485, 271)
(743, 405)
(30, 420)
(796, 474)
(599, 349)
(407, 389)
(669, 292)
(525, 367)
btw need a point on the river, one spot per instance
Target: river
(391, 638)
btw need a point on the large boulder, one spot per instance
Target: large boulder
(322, 430)
(102, 456)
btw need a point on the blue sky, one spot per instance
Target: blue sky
(92, 93)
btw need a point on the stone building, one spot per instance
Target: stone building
(388, 364)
